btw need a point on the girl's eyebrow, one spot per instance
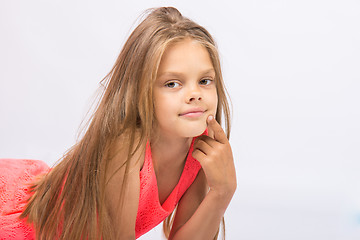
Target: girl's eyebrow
(177, 74)
(211, 70)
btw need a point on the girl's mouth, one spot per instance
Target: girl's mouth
(193, 113)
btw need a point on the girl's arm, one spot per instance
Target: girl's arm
(200, 211)
(123, 218)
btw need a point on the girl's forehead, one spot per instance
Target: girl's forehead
(185, 55)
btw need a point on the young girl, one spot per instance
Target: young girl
(154, 145)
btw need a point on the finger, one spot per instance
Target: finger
(203, 146)
(199, 155)
(210, 141)
(218, 133)
(210, 131)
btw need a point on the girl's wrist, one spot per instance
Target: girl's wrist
(221, 198)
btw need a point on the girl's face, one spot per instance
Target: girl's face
(185, 90)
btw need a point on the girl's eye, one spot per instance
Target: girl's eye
(205, 81)
(172, 84)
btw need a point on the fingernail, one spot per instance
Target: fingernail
(211, 117)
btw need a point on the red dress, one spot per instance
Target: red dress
(16, 174)
(150, 211)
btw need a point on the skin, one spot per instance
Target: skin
(200, 211)
(185, 82)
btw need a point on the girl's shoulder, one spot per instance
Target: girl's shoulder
(120, 152)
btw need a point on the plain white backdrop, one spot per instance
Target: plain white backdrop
(292, 69)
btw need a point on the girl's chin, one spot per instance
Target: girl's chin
(188, 130)
(194, 132)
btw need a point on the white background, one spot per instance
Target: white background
(293, 72)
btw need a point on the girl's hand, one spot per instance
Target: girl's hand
(215, 156)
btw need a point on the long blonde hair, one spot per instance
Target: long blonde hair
(69, 202)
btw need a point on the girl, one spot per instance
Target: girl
(154, 144)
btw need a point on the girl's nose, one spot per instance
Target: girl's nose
(194, 94)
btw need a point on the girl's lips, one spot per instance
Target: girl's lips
(192, 114)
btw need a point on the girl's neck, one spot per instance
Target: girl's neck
(169, 151)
